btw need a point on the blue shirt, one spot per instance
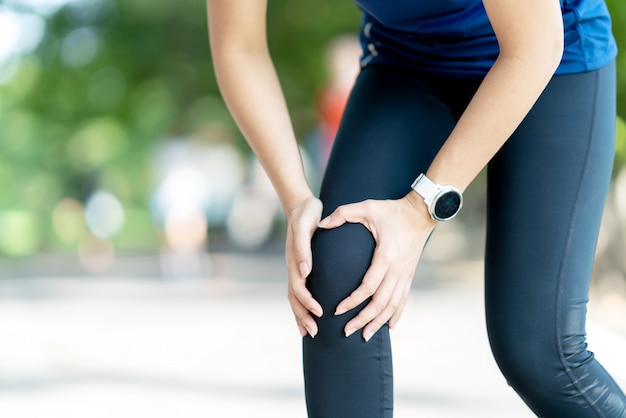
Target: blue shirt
(454, 37)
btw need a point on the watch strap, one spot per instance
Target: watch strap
(424, 187)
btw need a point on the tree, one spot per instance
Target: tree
(111, 79)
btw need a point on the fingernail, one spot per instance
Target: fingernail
(340, 311)
(308, 331)
(324, 222)
(367, 336)
(350, 331)
(304, 269)
(303, 332)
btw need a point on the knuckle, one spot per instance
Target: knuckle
(390, 254)
(373, 326)
(393, 305)
(362, 319)
(300, 312)
(379, 303)
(294, 295)
(368, 204)
(340, 211)
(298, 246)
(293, 300)
(296, 250)
(291, 289)
(383, 255)
(369, 288)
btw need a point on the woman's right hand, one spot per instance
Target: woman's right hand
(301, 224)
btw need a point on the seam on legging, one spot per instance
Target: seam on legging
(382, 374)
(566, 247)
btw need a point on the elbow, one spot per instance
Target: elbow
(543, 55)
(553, 51)
(229, 56)
(547, 48)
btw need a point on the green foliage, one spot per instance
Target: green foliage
(298, 32)
(618, 13)
(111, 79)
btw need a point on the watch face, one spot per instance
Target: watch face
(447, 205)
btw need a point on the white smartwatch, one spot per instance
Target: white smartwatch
(443, 202)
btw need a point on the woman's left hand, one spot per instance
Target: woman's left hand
(400, 228)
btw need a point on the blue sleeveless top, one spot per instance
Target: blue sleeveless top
(454, 37)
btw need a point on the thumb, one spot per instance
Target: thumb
(304, 267)
(351, 213)
(302, 252)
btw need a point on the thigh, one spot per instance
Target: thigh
(392, 128)
(546, 193)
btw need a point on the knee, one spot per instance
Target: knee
(341, 256)
(522, 347)
(523, 364)
(536, 364)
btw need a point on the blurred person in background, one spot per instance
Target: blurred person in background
(445, 89)
(196, 180)
(342, 64)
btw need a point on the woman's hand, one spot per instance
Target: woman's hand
(301, 224)
(400, 228)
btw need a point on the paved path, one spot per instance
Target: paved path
(226, 346)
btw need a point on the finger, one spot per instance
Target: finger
(369, 285)
(302, 329)
(375, 324)
(300, 260)
(299, 268)
(352, 213)
(392, 312)
(303, 317)
(393, 321)
(395, 318)
(306, 299)
(297, 289)
(378, 304)
(302, 248)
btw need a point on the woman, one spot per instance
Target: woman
(446, 88)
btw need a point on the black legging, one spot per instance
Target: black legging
(546, 192)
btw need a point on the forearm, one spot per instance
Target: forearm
(502, 101)
(530, 35)
(252, 92)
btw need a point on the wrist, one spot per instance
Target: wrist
(419, 209)
(442, 202)
(299, 205)
(295, 200)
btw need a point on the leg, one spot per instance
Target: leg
(392, 128)
(546, 192)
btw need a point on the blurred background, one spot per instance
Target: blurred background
(129, 202)
(114, 135)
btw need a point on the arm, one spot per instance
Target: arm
(250, 87)
(530, 35)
